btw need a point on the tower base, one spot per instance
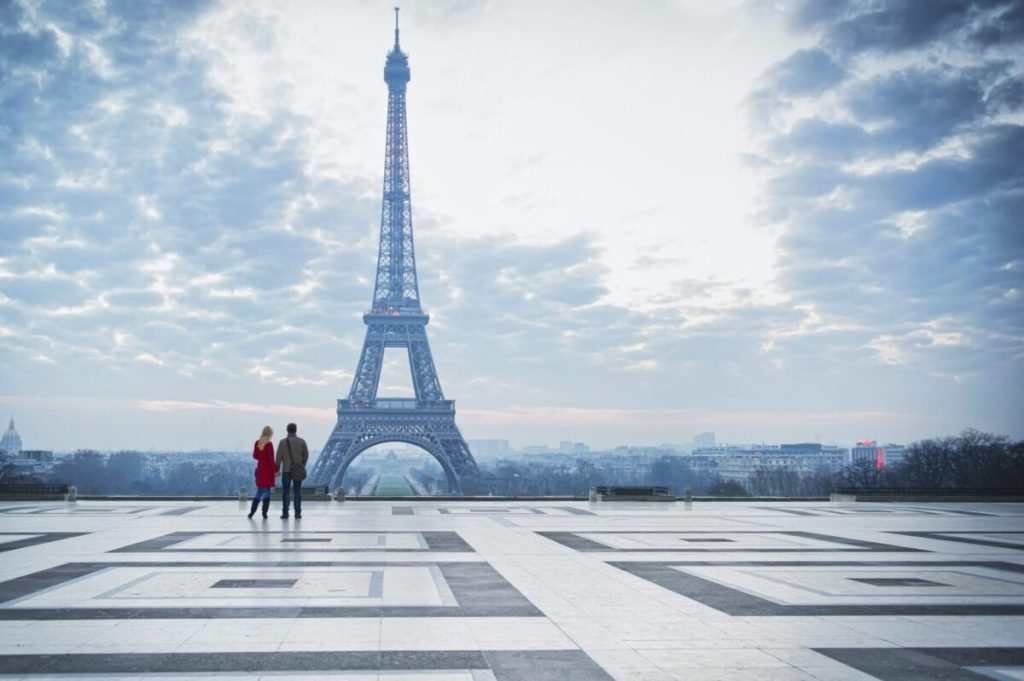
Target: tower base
(429, 425)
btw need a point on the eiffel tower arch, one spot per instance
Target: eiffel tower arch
(395, 320)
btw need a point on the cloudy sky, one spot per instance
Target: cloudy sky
(775, 220)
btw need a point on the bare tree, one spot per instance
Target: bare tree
(972, 459)
(6, 466)
(863, 474)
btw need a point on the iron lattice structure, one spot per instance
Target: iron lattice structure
(395, 320)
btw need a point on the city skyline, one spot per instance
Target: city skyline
(782, 223)
(486, 445)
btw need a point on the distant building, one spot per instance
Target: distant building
(739, 463)
(580, 448)
(565, 446)
(490, 448)
(43, 456)
(882, 456)
(867, 450)
(894, 454)
(11, 441)
(33, 462)
(704, 440)
(24, 462)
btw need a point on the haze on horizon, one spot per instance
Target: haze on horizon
(780, 221)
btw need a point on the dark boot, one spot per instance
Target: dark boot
(266, 507)
(252, 509)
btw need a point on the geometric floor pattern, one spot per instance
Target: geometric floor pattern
(510, 591)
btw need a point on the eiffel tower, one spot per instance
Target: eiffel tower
(395, 320)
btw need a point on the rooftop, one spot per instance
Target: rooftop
(501, 591)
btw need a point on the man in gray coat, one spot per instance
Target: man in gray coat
(292, 455)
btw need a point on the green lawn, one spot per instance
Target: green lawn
(391, 485)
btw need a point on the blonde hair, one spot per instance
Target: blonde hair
(265, 436)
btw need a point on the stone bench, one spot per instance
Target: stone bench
(34, 491)
(894, 494)
(613, 493)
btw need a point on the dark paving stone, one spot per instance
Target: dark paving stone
(578, 511)
(739, 603)
(440, 541)
(441, 659)
(446, 541)
(979, 541)
(255, 584)
(790, 511)
(576, 542)
(40, 538)
(589, 544)
(491, 511)
(158, 543)
(479, 590)
(156, 663)
(183, 510)
(925, 664)
(44, 579)
(559, 665)
(544, 665)
(979, 657)
(483, 592)
(895, 581)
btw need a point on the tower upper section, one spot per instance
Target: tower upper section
(396, 289)
(396, 68)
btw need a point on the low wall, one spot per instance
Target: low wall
(952, 497)
(323, 497)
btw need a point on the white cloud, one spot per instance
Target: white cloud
(148, 358)
(193, 202)
(170, 406)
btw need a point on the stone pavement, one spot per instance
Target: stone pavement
(512, 591)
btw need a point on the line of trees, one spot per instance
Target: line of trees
(356, 478)
(515, 478)
(970, 460)
(137, 473)
(6, 465)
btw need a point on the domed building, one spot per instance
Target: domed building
(11, 441)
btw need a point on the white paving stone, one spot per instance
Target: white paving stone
(760, 589)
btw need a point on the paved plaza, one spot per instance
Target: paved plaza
(512, 591)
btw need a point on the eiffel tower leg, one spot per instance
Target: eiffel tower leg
(367, 378)
(421, 363)
(329, 468)
(360, 428)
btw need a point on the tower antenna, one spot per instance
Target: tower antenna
(396, 28)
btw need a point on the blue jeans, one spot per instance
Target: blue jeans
(262, 493)
(286, 485)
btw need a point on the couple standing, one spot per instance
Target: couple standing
(290, 463)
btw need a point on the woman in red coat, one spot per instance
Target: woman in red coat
(266, 470)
